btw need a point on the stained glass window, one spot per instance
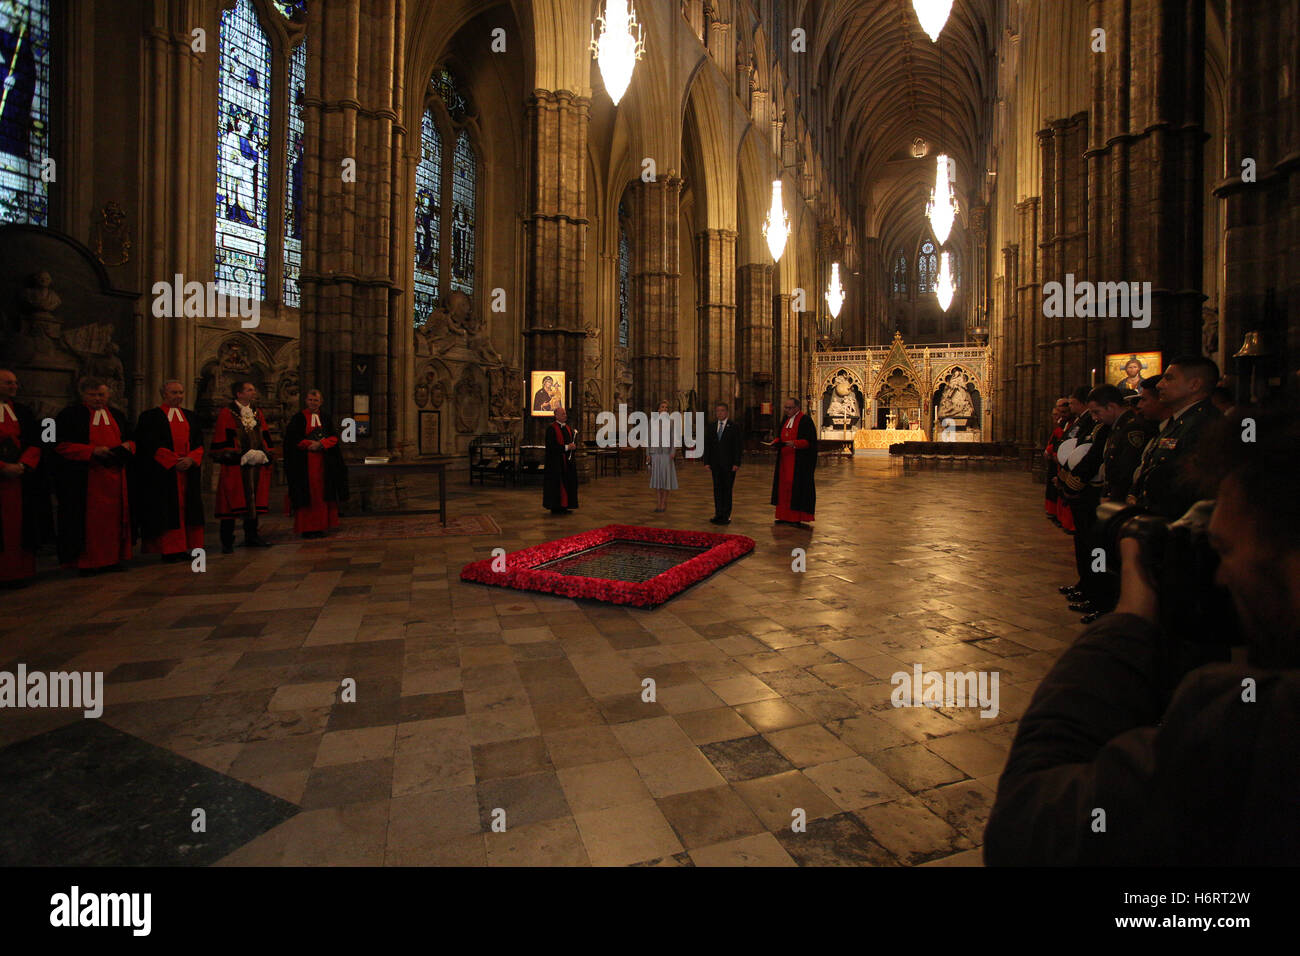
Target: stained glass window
(291, 8)
(428, 219)
(24, 110)
(624, 285)
(927, 268)
(293, 179)
(446, 200)
(900, 273)
(443, 85)
(463, 187)
(244, 117)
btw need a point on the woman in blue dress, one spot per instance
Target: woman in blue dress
(659, 457)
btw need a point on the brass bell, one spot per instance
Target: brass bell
(1252, 347)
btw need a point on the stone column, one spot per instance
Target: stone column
(1262, 240)
(716, 254)
(350, 109)
(656, 272)
(754, 339)
(556, 242)
(785, 348)
(1147, 159)
(1029, 327)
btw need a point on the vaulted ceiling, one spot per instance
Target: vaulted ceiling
(886, 84)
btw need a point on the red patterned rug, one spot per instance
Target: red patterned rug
(619, 564)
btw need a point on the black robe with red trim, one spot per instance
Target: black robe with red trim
(71, 477)
(157, 507)
(560, 476)
(38, 517)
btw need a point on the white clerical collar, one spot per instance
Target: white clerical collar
(314, 420)
(100, 417)
(174, 414)
(790, 421)
(7, 413)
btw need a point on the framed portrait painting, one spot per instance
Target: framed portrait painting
(1127, 369)
(545, 394)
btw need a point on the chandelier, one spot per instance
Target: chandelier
(618, 46)
(776, 230)
(933, 14)
(941, 210)
(835, 292)
(943, 286)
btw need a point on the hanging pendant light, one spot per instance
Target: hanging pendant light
(776, 230)
(835, 292)
(943, 287)
(618, 46)
(933, 14)
(941, 210)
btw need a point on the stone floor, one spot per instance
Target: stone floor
(773, 688)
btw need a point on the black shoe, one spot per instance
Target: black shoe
(1089, 618)
(256, 543)
(715, 520)
(1082, 607)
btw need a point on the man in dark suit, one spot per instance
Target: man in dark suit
(722, 449)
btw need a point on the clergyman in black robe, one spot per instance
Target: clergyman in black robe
(314, 469)
(168, 504)
(560, 484)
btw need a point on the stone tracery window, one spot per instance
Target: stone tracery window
(247, 233)
(900, 273)
(24, 110)
(927, 267)
(446, 198)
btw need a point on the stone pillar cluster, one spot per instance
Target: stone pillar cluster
(350, 110)
(556, 240)
(754, 335)
(716, 255)
(1263, 217)
(656, 272)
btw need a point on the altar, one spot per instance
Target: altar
(872, 398)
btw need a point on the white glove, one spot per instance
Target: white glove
(254, 457)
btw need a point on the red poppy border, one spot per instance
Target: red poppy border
(521, 575)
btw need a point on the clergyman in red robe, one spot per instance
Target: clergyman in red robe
(24, 501)
(314, 469)
(169, 505)
(94, 450)
(794, 489)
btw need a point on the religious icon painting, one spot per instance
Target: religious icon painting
(1127, 369)
(547, 393)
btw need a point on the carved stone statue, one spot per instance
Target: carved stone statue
(955, 402)
(438, 335)
(40, 299)
(843, 404)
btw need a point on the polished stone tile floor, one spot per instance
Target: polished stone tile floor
(477, 706)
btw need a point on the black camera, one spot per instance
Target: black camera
(1196, 615)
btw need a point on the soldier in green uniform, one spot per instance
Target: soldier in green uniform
(1129, 434)
(1185, 389)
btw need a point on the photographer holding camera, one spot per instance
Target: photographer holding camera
(1122, 758)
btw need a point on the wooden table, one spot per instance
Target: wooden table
(421, 466)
